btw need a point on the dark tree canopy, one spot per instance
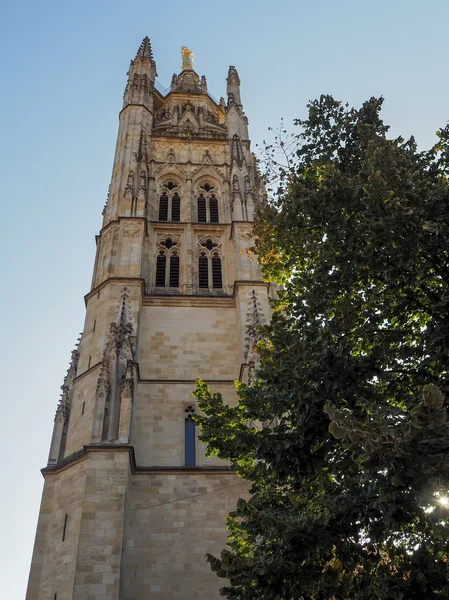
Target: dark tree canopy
(349, 473)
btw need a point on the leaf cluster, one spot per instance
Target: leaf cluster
(345, 436)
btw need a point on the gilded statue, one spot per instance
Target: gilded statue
(187, 58)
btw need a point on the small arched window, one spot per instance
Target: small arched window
(207, 203)
(170, 202)
(167, 262)
(209, 264)
(189, 437)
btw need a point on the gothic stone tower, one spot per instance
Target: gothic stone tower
(130, 504)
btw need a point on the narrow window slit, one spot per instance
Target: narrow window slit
(189, 437)
(65, 527)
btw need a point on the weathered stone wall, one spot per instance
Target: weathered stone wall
(174, 520)
(188, 342)
(54, 558)
(159, 421)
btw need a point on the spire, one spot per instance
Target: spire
(144, 50)
(141, 76)
(233, 86)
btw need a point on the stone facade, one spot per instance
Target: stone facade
(131, 504)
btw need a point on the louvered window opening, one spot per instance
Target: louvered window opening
(203, 275)
(213, 208)
(163, 208)
(202, 210)
(174, 270)
(217, 281)
(160, 270)
(176, 208)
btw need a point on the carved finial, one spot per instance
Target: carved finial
(233, 73)
(144, 50)
(174, 82)
(187, 58)
(203, 84)
(233, 86)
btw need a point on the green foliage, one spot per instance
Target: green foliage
(350, 471)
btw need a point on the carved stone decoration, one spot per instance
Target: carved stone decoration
(237, 156)
(248, 189)
(126, 401)
(141, 156)
(260, 196)
(235, 193)
(57, 446)
(131, 230)
(129, 187)
(136, 187)
(63, 408)
(171, 156)
(254, 319)
(103, 212)
(174, 82)
(207, 158)
(118, 356)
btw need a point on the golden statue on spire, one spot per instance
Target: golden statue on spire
(187, 58)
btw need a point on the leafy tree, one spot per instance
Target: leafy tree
(350, 471)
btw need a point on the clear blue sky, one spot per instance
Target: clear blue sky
(62, 79)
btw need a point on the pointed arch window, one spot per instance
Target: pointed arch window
(217, 281)
(167, 262)
(170, 202)
(213, 209)
(203, 271)
(207, 203)
(210, 275)
(189, 437)
(174, 271)
(202, 214)
(163, 207)
(160, 269)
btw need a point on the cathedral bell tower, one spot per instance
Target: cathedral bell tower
(131, 505)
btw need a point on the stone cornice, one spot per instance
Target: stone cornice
(134, 105)
(249, 283)
(81, 455)
(109, 280)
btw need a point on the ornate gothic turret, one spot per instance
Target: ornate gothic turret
(131, 504)
(141, 76)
